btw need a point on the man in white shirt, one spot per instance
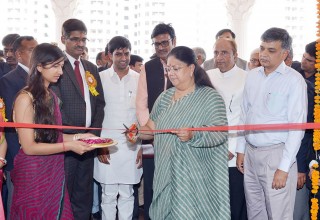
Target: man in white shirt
(118, 168)
(274, 94)
(228, 79)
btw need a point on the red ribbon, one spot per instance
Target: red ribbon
(255, 127)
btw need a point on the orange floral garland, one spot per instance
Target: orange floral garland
(92, 83)
(316, 134)
(2, 118)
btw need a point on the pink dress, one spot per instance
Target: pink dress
(39, 184)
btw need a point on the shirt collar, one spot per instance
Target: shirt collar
(114, 73)
(24, 67)
(71, 59)
(229, 73)
(282, 69)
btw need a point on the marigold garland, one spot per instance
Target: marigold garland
(3, 110)
(92, 83)
(316, 134)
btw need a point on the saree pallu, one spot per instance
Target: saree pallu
(39, 185)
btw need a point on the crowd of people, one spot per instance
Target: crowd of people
(173, 100)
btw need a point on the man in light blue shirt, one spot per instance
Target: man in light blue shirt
(274, 93)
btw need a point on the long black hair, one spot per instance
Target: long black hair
(43, 55)
(187, 55)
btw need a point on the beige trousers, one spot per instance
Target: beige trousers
(263, 202)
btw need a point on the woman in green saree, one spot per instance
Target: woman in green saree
(191, 170)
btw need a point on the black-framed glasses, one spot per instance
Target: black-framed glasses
(78, 39)
(164, 43)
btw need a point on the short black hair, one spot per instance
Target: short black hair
(311, 49)
(9, 39)
(18, 42)
(221, 32)
(73, 25)
(117, 43)
(134, 59)
(163, 28)
(278, 34)
(99, 56)
(106, 50)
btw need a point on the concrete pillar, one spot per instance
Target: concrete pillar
(239, 12)
(63, 10)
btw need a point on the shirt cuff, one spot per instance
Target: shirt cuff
(312, 162)
(240, 148)
(284, 165)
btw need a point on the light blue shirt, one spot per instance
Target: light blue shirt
(280, 97)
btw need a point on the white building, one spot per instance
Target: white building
(132, 19)
(196, 22)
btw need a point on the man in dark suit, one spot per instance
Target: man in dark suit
(10, 85)
(152, 82)
(9, 55)
(80, 91)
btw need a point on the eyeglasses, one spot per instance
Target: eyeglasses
(78, 39)
(253, 60)
(307, 59)
(164, 43)
(174, 69)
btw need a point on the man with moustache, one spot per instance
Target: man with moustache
(229, 80)
(11, 61)
(80, 107)
(10, 85)
(274, 94)
(228, 34)
(152, 82)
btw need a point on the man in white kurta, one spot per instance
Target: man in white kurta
(119, 168)
(229, 80)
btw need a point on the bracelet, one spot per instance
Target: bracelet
(63, 147)
(2, 160)
(76, 137)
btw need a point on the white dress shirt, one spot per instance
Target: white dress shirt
(230, 86)
(120, 108)
(280, 97)
(85, 89)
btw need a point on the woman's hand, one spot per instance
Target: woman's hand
(131, 133)
(78, 147)
(183, 134)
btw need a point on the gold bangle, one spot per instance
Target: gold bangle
(63, 147)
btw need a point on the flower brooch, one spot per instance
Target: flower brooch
(92, 83)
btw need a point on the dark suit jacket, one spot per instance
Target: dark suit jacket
(73, 104)
(4, 69)
(155, 80)
(10, 85)
(306, 146)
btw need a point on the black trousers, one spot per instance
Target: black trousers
(148, 171)
(79, 176)
(135, 214)
(237, 198)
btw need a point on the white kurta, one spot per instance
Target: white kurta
(230, 86)
(120, 109)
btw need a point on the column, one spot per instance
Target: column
(239, 12)
(63, 10)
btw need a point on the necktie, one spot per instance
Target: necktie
(78, 75)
